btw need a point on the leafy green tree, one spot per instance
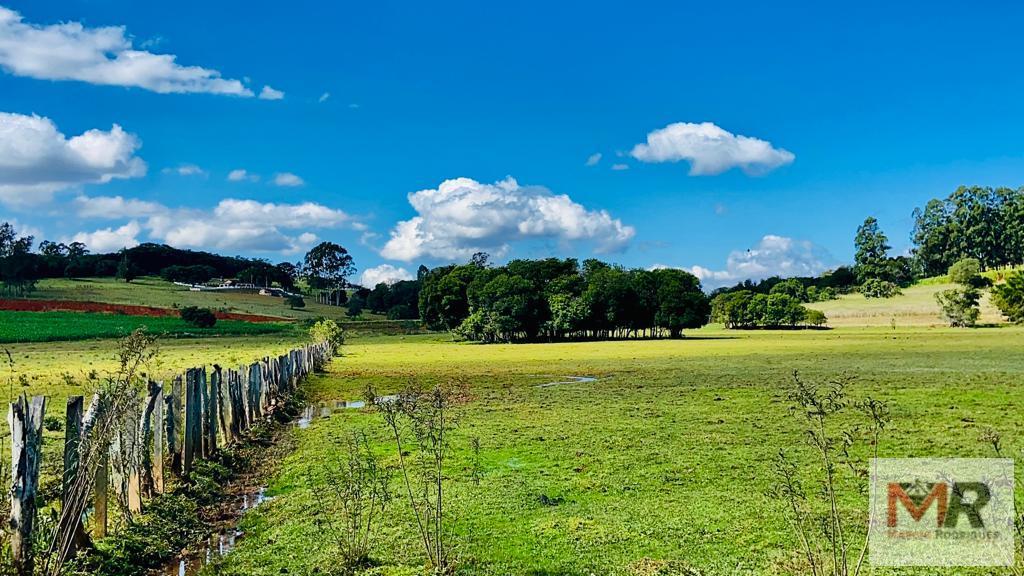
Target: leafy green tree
(876, 288)
(1009, 298)
(681, 303)
(792, 288)
(872, 248)
(327, 267)
(126, 269)
(965, 270)
(959, 306)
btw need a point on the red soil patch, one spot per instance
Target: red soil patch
(74, 306)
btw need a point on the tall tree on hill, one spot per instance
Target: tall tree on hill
(872, 250)
(328, 267)
(17, 266)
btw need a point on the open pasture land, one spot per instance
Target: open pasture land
(53, 326)
(62, 369)
(916, 306)
(152, 291)
(664, 462)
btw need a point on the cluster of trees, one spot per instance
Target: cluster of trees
(397, 301)
(558, 299)
(879, 275)
(822, 288)
(973, 222)
(745, 309)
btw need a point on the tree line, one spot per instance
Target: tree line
(560, 299)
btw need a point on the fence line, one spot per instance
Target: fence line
(194, 417)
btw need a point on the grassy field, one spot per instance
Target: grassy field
(664, 462)
(150, 291)
(916, 306)
(62, 369)
(53, 326)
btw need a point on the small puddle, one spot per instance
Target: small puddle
(571, 380)
(219, 543)
(325, 409)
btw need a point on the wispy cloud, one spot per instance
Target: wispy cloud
(288, 179)
(593, 159)
(323, 97)
(242, 175)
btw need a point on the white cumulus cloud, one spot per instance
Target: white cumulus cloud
(773, 256)
(288, 179)
(710, 150)
(231, 225)
(110, 239)
(269, 93)
(36, 159)
(385, 273)
(463, 216)
(106, 56)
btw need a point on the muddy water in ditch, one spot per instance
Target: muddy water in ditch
(219, 543)
(223, 542)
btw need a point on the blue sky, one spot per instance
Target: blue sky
(819, 116)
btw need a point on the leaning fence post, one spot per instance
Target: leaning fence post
(25, 419)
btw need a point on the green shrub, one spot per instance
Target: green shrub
(198, 317)
(327, 331)
(875, 288)
(959, 306)
(296, 301)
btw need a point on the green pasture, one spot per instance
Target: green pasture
(661, 465)
(62, 369)
(53, 326)
(916, 306)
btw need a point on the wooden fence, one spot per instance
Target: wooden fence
(176, 426)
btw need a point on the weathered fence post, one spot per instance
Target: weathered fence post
(25, 419)
(210, 391)
(154, 397)
(175, 430)
(158, 441)
(72, 462)
(193, 420)
(99, 527)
